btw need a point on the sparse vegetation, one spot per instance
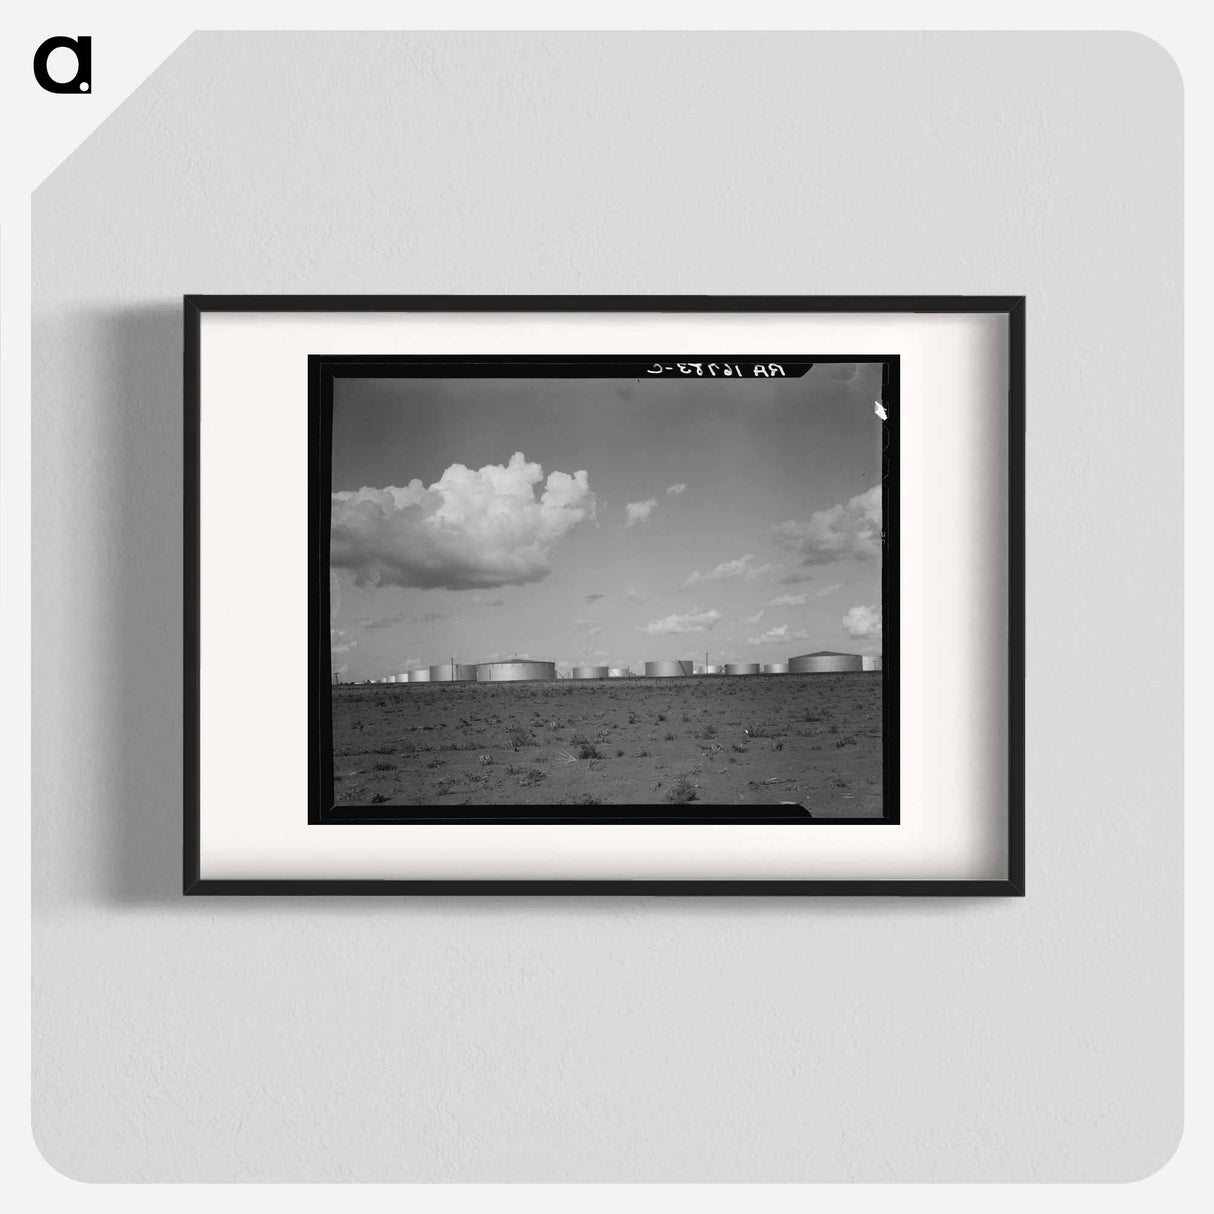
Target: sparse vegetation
(814, 739)
(681, 791)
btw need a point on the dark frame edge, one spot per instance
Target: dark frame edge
(1017, 637)
(688, 888)
(192, 309)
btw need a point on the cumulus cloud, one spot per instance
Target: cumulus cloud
(695, 620)
(851, 529)
(862, 622)
(780, 633)
(593, 627)
(469, 530)
(639, 512)
(742, 567)
(675, 490)
(754, 619)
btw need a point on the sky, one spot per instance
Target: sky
(604, 521)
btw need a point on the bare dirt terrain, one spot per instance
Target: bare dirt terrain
(718, 740)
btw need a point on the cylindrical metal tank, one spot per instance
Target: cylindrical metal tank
(775, 667)
(714, 669)
(618, 672)
(667, 669)
(824, 662)
(446, 672)
(419, 676)
(872, 662)
(514, 672)
(390, 679)
(590, 672)
(741, 667)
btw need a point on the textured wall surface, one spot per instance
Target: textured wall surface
(628, 1039)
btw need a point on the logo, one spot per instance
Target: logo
(82, 81)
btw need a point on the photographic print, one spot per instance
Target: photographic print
(608, 589)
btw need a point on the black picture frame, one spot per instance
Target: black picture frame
(322, 366)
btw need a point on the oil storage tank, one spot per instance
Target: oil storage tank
(667, 669)
(453, 672)
(775, 667)
(714, 669)
(618, 672)
(419, 676)
(516, 671)
(590, 672)
(741, 667)
(825, 661)
(872, 662)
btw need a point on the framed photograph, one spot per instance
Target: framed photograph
(680, 595)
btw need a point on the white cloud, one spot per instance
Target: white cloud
(780, 633)
(862, 622)
(695, 620)
(639, 512)
(593, 627)
(799, 600)
(754, 619)
(469, 530)
(850, 530)
(675, 490)
(742, 567)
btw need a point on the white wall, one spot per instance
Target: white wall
(621, 1039)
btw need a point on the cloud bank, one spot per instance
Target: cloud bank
(799, 600)
(781, 633)
(695, 620)
(639, 512)
(852, 529)
(862, 622)
(742, 567)
(469, 530)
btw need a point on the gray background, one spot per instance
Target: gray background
(627, 1039)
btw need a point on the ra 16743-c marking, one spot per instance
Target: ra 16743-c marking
(757, 371)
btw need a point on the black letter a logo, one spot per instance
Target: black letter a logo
(82, 48)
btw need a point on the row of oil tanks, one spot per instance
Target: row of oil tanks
(477, 672)
(822, 662)
(517, 671)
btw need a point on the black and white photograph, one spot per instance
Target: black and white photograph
(575, 585)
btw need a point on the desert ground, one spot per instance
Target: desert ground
(718, 740)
